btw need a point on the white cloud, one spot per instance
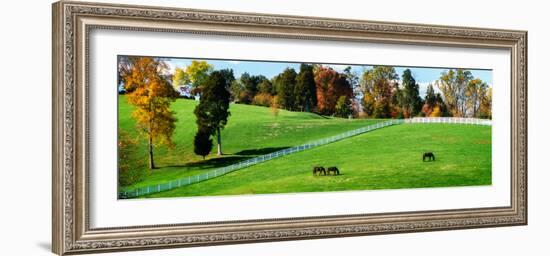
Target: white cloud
(236, 62)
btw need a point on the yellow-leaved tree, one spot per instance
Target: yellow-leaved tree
(148, 89)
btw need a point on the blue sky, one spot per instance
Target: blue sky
(422, 75)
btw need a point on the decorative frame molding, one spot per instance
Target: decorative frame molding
(72, 22)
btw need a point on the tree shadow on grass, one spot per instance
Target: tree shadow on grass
(212, 162)
(218, 162)
(259, 151)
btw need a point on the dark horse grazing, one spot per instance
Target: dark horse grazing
(319, 169)
(334, 170)
(429, 155)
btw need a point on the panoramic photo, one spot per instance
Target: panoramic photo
(212, 127)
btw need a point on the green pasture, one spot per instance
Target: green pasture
(389, 158)
(250, 131)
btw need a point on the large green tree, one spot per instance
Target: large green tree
(410, 98)
(284, 84)
(229, 77)
(187, 81)
(212, 111)
(197, 72)
(304, 90)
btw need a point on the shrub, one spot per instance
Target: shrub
(263, 99)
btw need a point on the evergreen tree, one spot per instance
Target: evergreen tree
(305, 90)
(228, 76)
(430, 95)
(410, 101)
(202, 143)
(284, 84)
(213, 109)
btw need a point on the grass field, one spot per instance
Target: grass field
(388, 158)
(250, 131)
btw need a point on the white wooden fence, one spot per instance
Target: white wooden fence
(449, 120)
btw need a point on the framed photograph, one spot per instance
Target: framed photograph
(180, 127)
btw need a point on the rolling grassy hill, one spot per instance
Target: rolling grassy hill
(250, 131)
(388, 158)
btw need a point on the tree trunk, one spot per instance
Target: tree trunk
(219, 142)
(151, 161)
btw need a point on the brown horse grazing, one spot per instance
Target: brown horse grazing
(334, 170)
(428, 155)
(319, 169)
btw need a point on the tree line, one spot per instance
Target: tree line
(376, 93)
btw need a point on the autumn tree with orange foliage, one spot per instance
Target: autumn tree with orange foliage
(151, 93)
(331, 85)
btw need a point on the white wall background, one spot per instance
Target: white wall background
(25, 140)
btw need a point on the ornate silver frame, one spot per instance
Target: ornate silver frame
(72, 22)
